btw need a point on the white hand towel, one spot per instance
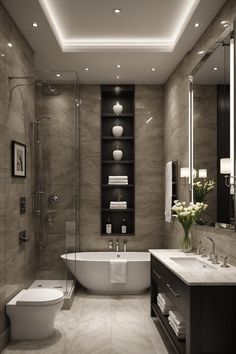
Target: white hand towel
(118, 270)
(117, 202)
(168, 196)
(178, 329)
(118, 182)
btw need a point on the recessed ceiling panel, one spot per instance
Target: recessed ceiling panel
(93, 25)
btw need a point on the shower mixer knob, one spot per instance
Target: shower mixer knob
(53, 199)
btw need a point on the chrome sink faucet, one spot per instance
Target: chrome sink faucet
(117, 246)
(213, 257)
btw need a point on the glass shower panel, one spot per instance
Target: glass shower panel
(56, 141)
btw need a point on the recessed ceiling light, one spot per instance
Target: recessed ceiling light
(118, 66)
(223, 22)
(58, 75)
(117, 77)
(10, 45)
(215, 68)
(201, 52)
(117, 11)
(86, 69)
(3, 55)
(153, 69)
(196, 25)
(225, 25)
(34, 24)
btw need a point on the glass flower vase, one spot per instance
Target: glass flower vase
(187, 242)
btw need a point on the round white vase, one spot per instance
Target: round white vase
(117, 131)
(117, 108)
(117, 154)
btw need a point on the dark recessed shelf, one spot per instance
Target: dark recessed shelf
(120, 162)
(119, 210)
(118, 185)
(110, 95)
(117, 116)
(121, 138)
(117, 234)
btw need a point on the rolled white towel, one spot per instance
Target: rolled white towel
(118, 182)
(118, 203)
(180, 329)
(165, 300)
(118, 207)
(164, 309)
(179, 333)
(117, 177)
(177, 318)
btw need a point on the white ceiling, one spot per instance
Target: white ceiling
(74, 34)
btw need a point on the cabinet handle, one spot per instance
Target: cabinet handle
(173, 292)
(158, 275)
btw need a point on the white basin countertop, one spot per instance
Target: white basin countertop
(194, 269)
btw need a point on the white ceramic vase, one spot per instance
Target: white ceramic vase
(117, 131)
(117, 108)
(117, 154)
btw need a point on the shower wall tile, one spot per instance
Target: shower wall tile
(16, 117)
(176, 121)
(148, 169)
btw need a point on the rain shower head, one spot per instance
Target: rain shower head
(48, 90)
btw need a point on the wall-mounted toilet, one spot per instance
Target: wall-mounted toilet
(32, 313)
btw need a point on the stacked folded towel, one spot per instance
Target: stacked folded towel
(117, 179)
(164, 303)
(118, 205)
(177, 323)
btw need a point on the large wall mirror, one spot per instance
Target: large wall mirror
(212, 140)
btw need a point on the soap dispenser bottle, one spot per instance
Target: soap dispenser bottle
(124, 227)
(108, 226)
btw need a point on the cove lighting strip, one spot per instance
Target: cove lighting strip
(115, 44)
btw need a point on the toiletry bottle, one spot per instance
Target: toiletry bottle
(108, 226)
(123, 227)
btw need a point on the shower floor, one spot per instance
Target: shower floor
(66, 286)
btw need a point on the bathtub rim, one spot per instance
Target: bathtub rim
(65, 257)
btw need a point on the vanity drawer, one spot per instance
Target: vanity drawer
(173, 287)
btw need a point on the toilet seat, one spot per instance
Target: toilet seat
(39, 297)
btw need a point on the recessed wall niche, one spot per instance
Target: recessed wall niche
(117, 159)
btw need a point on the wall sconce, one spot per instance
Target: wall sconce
(184, 173)
(225, 169)
(202, 173)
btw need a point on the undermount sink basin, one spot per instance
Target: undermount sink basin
(192, 263)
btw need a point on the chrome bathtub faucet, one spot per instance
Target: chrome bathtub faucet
(117, 246)
(110, 245)
(125, 245)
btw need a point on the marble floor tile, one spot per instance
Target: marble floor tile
(101, 325)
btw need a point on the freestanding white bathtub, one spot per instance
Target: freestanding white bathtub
(92, 270)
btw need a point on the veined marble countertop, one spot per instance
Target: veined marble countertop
(215, 276)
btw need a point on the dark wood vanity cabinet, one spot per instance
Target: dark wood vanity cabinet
(209, 312)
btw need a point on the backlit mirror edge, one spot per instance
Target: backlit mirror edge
(229, 31)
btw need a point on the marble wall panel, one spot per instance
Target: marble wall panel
(16, 117)
(176, 117)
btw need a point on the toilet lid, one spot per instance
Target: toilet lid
(40, 297)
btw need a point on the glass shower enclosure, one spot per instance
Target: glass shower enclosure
(55, 136)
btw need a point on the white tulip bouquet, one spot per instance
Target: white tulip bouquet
(187, 215)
